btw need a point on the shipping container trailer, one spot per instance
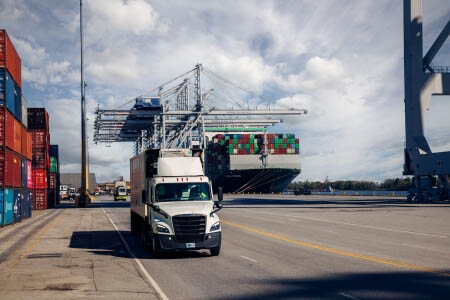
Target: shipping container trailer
(8, 90)
(16, 207)
(39, 199)
(9, 58)
(8, 202)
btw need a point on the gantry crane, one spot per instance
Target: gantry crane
(421, 82)
(182, 113)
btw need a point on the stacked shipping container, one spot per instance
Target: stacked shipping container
(38, 124)
(247, 144)
(15, 140)
(54, 178)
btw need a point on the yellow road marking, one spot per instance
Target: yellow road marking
(43, 231)
(337, 251)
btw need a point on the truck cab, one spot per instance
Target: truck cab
(120, 193)
(172, 205)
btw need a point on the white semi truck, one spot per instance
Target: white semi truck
(172, 206)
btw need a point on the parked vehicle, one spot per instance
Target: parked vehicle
(120, 193)
(172, 205)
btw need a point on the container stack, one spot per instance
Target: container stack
(38, 124)
(15, 140)
(54, 177)
(248, 144)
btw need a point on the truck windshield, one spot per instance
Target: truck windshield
(166, 192)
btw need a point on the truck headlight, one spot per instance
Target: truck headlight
(215, 227)
(162, 228)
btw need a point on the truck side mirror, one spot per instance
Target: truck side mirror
(220, 194)
(144, 197)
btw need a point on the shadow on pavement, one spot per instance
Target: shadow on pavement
(394, 285)
(107, 242)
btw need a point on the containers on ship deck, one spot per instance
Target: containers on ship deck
(9, 58)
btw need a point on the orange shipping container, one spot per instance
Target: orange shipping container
(9, 58)
(29, 153)
(17, 136)
(23, 137)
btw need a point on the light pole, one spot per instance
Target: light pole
(82, 201)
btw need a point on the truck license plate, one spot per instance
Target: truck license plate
(190, 245)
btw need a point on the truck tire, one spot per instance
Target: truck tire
(215, 251)
(145, 239)
(155, 249)
(133, 224)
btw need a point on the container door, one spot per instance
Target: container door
(24, 172)
(16, 207)
(8, 175)
(17, 171)
(8, 200)
(23, 205)
(18, 103)
(30, 202)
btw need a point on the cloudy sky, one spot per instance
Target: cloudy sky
(341, 60)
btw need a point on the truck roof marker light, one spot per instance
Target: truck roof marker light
(181, 178)
(177, 179)
(162, 179)
(201, 178)
(187, 179)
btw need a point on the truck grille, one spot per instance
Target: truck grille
(189, 225)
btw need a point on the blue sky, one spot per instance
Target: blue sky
(342, 60)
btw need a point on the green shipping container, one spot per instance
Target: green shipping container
(53, 165)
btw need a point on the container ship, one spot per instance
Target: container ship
(253, 163)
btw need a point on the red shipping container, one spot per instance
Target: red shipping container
(40, 199)
(17, 136)
(4, 171)
(52, 181)
(9, 177)
(40, 139)
(39, 178)
(17, 170)
(9, 58)
(29, 175)
(6, 128)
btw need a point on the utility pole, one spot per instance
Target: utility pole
(82, 201)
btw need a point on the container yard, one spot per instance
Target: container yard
(25, 163)
(207, 212)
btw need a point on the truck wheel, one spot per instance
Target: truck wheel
(144, 237)
(132, 225)
(155, 249)
(215, 251)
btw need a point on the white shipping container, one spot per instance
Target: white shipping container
(24, 112)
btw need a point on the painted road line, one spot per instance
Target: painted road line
(358, 225)
(35, 242)
(138, 262)
(247, 258)
(348, 296)
(337, 251)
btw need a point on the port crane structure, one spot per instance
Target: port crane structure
(422, 80)
(182, 113)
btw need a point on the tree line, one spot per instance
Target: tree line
(392, 184)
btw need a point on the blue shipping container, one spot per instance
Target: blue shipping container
(16, 209)
(8, 199)
(24, 172)
(18, 103)
(25, 205)
(7, 90)
(1, 208)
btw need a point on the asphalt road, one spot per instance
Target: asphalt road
(310, 247)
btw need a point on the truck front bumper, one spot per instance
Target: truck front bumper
(172, 242)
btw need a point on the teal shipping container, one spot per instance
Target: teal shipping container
(8, 201)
